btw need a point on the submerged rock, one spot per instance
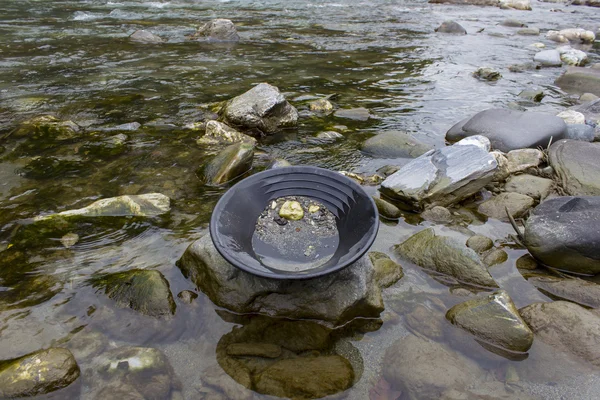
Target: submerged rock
(424, 369)
(480, 243)
(438, 214)
(516, 203)
(233, 161)
(576, 165)
(510, 129)
(47, 127)
(321, 105)
(387, 272)
(487, 74)
(394, 145)
(335, 298)
(443, 176)
(578, 291)
(493, 319)
(564, 233)
(218, 132)
(142, 36)
(145, 291)
(451, 27)
(144, 205)
(566, 327)
(263, 107)
(221, 30)
(447, 256)
(580, 80)
(37, 373)
(529, 31)
(513, 23)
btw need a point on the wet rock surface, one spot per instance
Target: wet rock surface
(218, 132)
(576, 165)
(580, 80)
(451, 27)
(142, 36)
(564, 233)
(37, 373)
(509, 129)
(444, 176)
(578, 291)
(335, 299)
(530, 185)
(233, 161)
(263, 108)
(394, 145)
(493, 319)
(447, 256)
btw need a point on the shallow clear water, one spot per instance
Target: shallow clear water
(72, 59)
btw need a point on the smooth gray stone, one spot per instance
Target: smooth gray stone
(582, 132)
(394, 145)
(530, 185)
(451, 27)
(443, 176)
(580, 80)
(142, 36)
(510, 129)
(548, 58)
(576, 164)
(564, 232)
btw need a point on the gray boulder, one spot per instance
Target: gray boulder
(567, 327)
(263, 107)
(442, 176)
(447, 256)
(221, 30)
(37, 373)
(493, 319)
(582, 132)
(530, 185)
(230, 163)
(424, 369)
(564, 233)
(451, 27)
(145, 291)
(580, 80)
(576, 165)
(394, 145)
(510, 129)
(335, 299)
(516, 203)
(142, 36)
(143, 205)
(548, 58)
(578, 291)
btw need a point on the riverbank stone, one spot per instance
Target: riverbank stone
(233, 161)
(524, 5)
(493, 319)
(576, 165)
(582, 132)
(142, 290)
(447, 256)
(529, 185)
(218, 132)
(564, 233)
(387, 210)
(516, 203)
(452, 27)
(394, 144)
(523, 159)
(442, 177)
(263, 108)
(37, 373)
(567, 327)
(221, 30)
(510, 129)
(480, 243)
(580, 80)
(334, 299)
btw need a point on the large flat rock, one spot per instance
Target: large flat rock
(577, 167)
(580, 80)
(510, 129)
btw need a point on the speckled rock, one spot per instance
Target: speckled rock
(530, 185)
(523, 159)
(438, 214)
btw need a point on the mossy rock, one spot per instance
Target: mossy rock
(107, 148)
(48, 127)
(146, 291)
(53, 167)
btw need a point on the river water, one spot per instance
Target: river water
(72, 59)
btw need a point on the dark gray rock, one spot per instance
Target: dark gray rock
(576, 164)
(37, 373)
(143, 290)
(548, 58)
(509, 129)
(442, 176)
(567, 327)
(447, 256)
(582, 132)
(493, 319)
(142, 36)
(451, 27)
(394, 145)
(580, 80)
(335, 299)
(222, 30)
(230, 163)
(263, 107)
(564, 233)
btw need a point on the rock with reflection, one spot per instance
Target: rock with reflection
(233, 161)
(567, 327)
(132, 372)
(394, 144)
(262, 108)
(295, 359)
(37, 373)
(53, 167)
(447, 256)
(576, 290)
(146, 291)
(575, 163)
(424, 369)
(493, 319)
(335, 298)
